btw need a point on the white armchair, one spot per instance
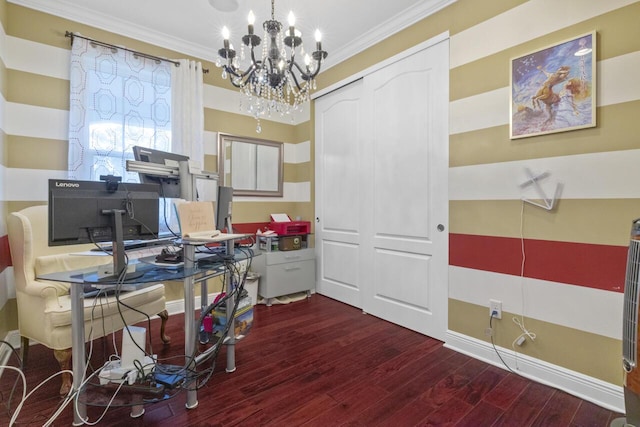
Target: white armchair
(44, 307)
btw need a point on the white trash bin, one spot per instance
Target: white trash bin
(251, 285)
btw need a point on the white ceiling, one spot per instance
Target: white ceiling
(194, 27)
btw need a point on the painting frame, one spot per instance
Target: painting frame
(553, 89)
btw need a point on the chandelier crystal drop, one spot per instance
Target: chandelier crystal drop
(272, 83)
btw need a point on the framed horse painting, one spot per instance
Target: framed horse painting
(553, 89)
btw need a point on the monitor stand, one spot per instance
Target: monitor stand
(120, 273)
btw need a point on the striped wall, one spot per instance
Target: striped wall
(568, 288)
(7, 299)
(564, 269)
(559, 272)
(562, 272)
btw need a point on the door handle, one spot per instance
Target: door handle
(440, 227)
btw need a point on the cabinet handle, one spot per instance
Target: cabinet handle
(291, 268)
(292, 257)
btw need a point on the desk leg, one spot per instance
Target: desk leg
(231, 335)
(189, 324)
(77, 349)
(204, 336)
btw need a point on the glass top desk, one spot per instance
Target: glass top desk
(190, 273)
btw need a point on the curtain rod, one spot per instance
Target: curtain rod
(135, 52)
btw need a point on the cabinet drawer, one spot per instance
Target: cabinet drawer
(274, 258)
(287, 278)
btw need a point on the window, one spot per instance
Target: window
(117, 100)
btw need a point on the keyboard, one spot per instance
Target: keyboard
(136, 244)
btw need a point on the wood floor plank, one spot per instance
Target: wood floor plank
(480, 386)
(483, 414)
(559, 411)
(590, 415)
(507, 391)
(527, 407)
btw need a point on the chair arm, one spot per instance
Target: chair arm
(42, 288)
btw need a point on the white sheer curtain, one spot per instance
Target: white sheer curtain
(187, 116)
(117, 100)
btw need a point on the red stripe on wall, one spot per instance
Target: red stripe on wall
(594, 266)
(5, 254)
(249, 227)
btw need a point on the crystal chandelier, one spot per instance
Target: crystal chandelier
(273, 82)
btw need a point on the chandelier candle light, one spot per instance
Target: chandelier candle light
(273, 83)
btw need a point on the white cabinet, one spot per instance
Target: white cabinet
(285, 272)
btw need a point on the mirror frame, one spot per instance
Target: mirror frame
(223, 151)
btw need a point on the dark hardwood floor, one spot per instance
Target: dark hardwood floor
(318, 362)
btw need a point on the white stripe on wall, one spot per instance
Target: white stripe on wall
(30, 184)
(297, 153)
(521, 24)
(605, 175)
(614, 79)
(557, 303)
(37, 58)
(210, 140)
(37, 122)
(481, 111)
(619, 79)
(293, 192)
(3, 112)
(3, 196)
(3, 44)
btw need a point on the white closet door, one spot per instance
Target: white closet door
(404, 237)
(338, 195)
(382, 193)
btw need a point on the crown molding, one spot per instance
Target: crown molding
(64, 9)
(385, 30)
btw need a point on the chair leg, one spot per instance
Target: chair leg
(164, 315)
(64, 359)
(24, 349)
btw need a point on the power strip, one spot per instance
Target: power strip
(112, 372)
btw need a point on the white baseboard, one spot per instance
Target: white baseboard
(583, 386)
(177, 306)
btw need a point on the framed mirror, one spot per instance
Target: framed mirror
(252, 166)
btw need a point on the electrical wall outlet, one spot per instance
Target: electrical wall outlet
(495, 309)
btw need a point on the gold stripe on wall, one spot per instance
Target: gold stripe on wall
(8, 317)
(301, 132)
(15, 206)
(4, 79)
(4, 149)
(297, 172)
(210, 163)
(618, 33)
(616, 130)
(594, 221)
(3, 13)
(35, 89)
(260, 211)
(306, 212)
(455, 18)
(590, 354)
(241, 125)
(52, 153)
